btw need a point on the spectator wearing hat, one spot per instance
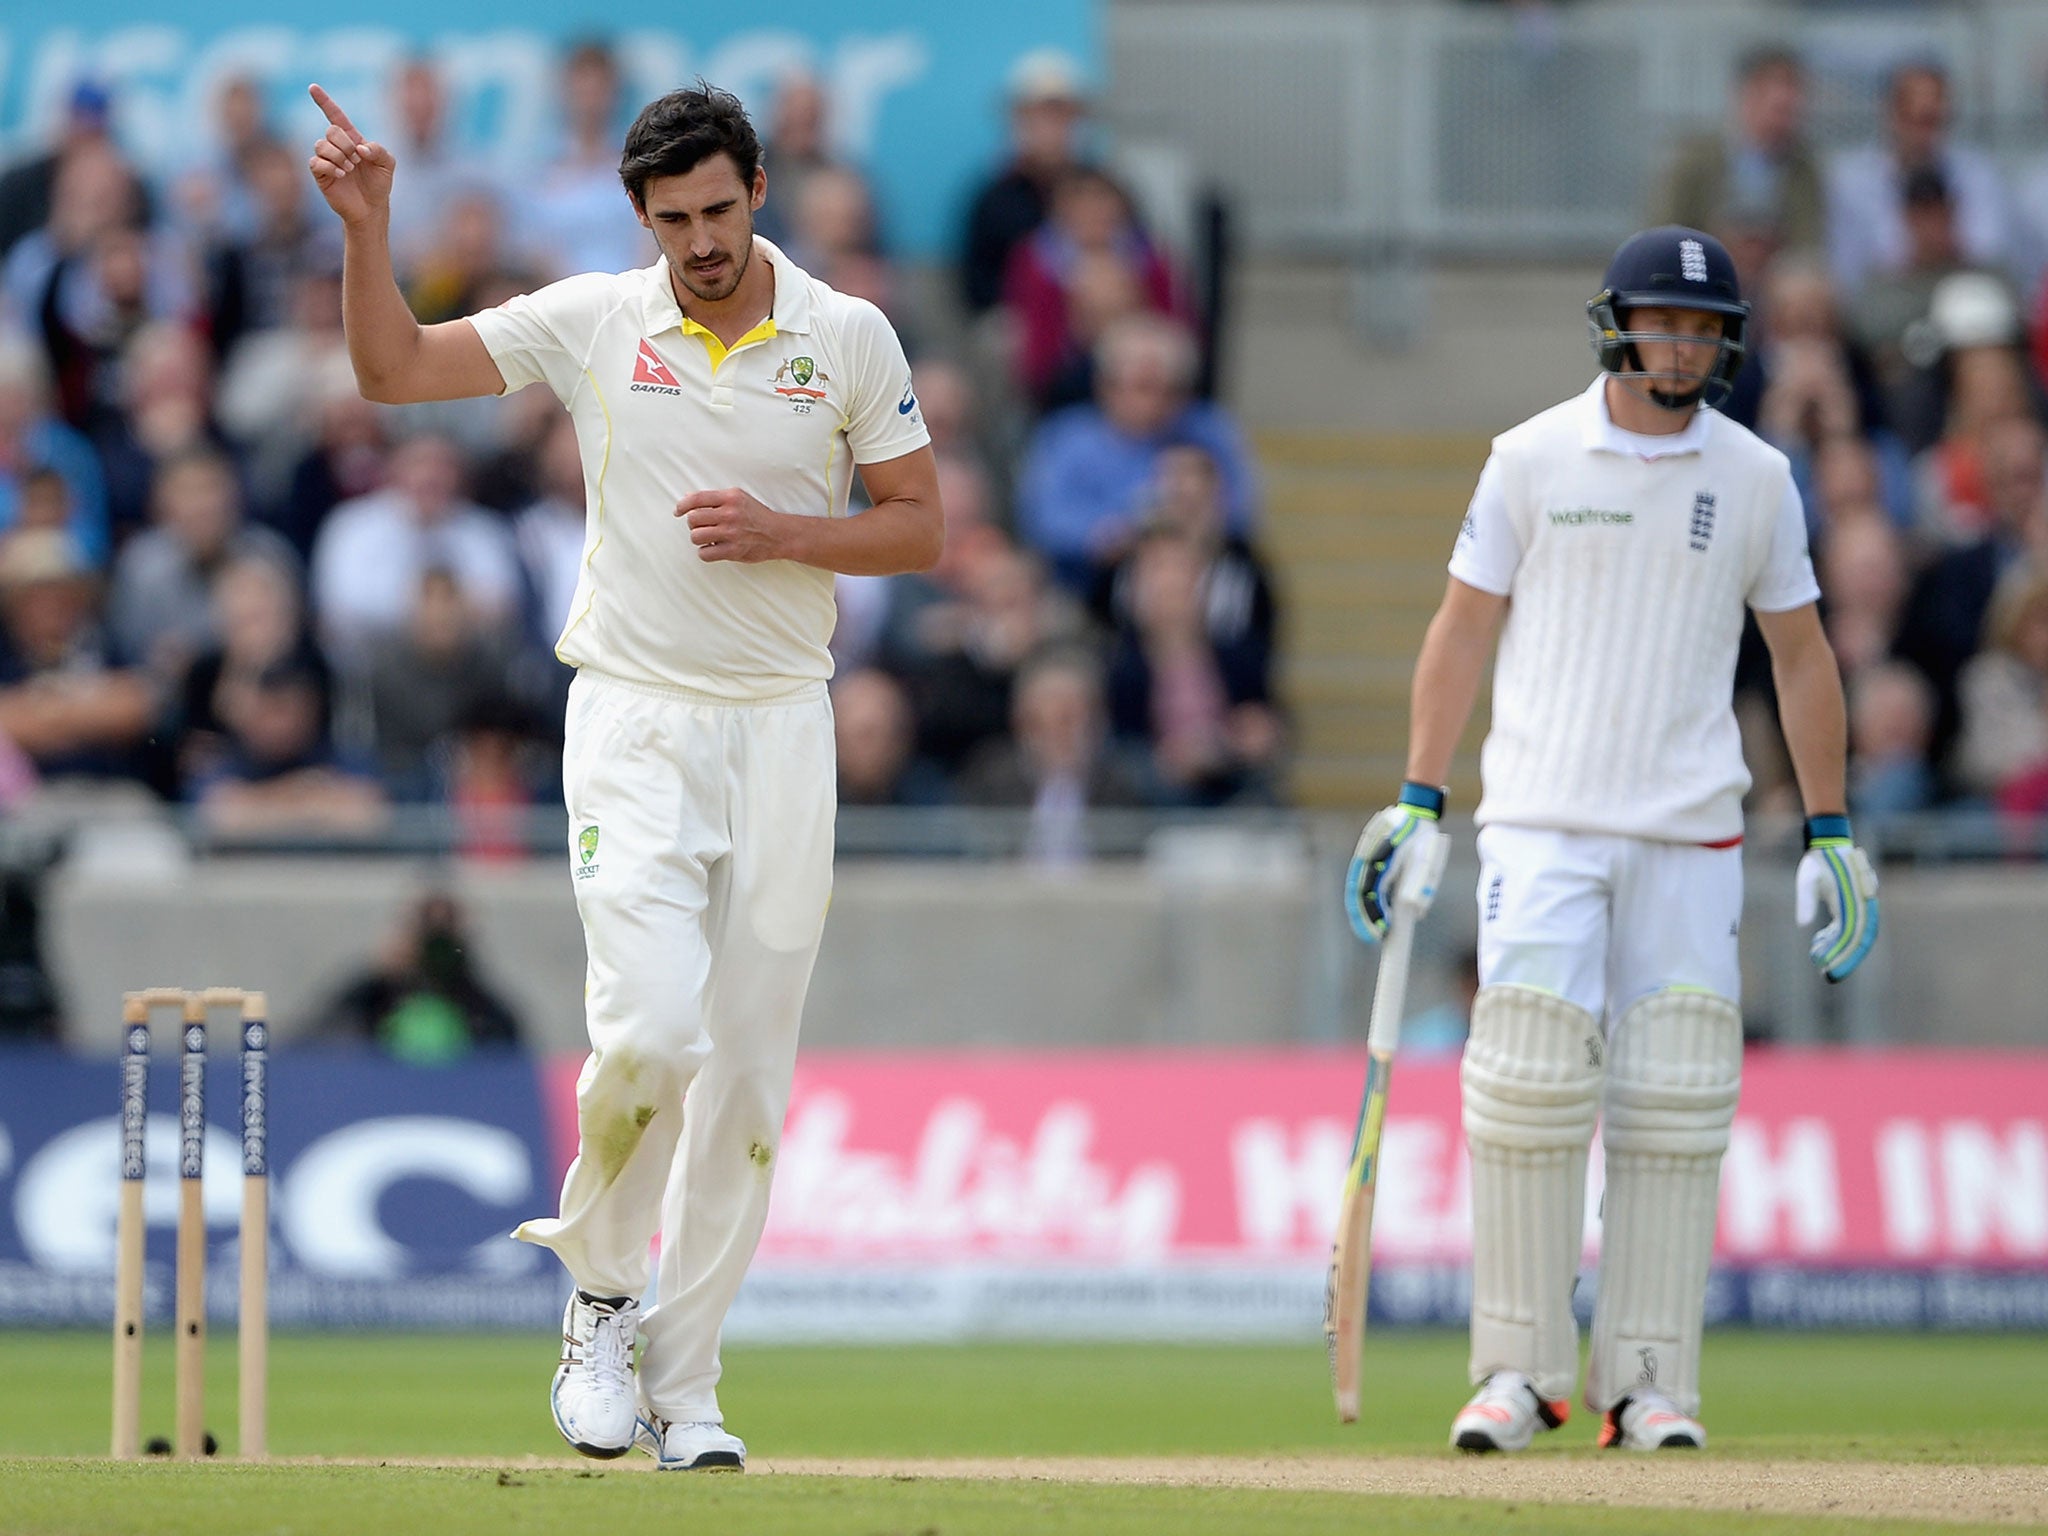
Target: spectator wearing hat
(1868, 234)
(27, 188)
(63, 699)
(1938, 302)
(1047, 108)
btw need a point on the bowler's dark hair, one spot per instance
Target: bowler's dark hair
(676, 133)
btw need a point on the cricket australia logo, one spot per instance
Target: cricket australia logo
(586, 849)
(797, 378)
(1702, 519)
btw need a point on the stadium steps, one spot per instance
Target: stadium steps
(1357, 529)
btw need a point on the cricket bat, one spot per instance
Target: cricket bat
(1351, 1253)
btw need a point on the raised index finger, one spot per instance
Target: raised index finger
(332, 108)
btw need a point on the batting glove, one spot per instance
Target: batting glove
(1834, 873)
(1400, 853)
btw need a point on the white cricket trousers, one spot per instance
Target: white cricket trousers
(700, 843)
(1603, 920)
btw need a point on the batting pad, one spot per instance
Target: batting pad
(1674, 1066)
(1531, 1077)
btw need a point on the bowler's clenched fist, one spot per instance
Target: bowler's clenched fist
(731, 525)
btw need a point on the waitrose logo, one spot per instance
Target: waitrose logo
(1588, 517)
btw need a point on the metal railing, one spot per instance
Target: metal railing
(1412, 129)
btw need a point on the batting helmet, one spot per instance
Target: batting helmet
(1671, 267)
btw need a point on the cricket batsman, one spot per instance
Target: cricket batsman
(1611, 547)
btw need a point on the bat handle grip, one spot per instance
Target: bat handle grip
(1390, 989)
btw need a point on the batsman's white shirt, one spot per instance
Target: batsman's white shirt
(1627, 561)
(663, 409)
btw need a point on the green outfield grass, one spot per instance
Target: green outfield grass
(1902, 1399)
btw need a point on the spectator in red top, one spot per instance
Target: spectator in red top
(1089, 263)
(1047, 109)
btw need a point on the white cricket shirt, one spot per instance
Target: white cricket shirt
(1627, 561)
(663, 409)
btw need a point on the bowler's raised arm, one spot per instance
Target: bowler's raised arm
(396, 359)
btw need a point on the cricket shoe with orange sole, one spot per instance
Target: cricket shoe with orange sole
(1650, 1421)
(1505, 1414)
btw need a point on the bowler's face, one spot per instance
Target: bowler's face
(704, 222)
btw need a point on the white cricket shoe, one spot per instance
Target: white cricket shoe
(593, 1397)
(696, 1446)
(1505, 1414)
(1650, 1421)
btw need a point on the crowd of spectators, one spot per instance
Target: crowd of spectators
(1899, 355)
(228, 581)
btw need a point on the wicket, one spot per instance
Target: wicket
(254, 1312)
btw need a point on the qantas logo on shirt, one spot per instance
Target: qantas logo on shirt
(651, 375)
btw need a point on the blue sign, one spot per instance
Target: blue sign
(394, 1191)
(915, 87)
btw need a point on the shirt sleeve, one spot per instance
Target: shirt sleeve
(882, 416)
(1787, 580)
(1488, 550)
(542, 337)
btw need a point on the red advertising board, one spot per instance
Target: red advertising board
(1869, 1160)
